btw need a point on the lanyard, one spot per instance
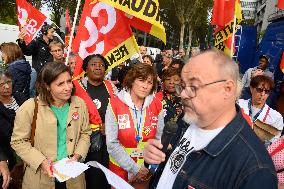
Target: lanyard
(138, 124)
(250, 111)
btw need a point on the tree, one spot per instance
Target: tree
(198, 22)
(8, 12)
(36, 3)
(170, 23)
(58, 8)
(190, 13)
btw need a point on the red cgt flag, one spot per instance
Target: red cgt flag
(103, 30)
(29, 19)
(280, 4)
(223, 12)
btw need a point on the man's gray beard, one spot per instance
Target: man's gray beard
(189, 119)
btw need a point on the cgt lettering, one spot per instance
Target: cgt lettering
(118, 54)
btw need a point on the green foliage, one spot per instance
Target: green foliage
(193, 13)
(58, 8)
(8, 12)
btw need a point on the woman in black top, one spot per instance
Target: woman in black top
(8, 105)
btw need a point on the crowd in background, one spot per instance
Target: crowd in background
(107, 117)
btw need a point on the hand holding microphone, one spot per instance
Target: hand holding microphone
(155, 151)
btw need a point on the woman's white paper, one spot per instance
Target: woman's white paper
(64, 170)
(112, 178)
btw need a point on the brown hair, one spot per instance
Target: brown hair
(140, 70)
(259, 79)
(149, 57)
(47, 75)
(12, 51)
(179, 62)
(170, 72)
(56, 43)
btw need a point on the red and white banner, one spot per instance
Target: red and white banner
(29, 19)
(103, 30)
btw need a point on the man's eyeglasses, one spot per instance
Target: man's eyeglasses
(191, 90)
(9, 82)
(260, 90)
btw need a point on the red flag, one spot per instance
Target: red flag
(103, 30)
(223, 33)
(67, 23)
(280, 4)
(29, 19)
(67, 28)
(282, 63)
(223, 12)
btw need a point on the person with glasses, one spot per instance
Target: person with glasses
(256, 107)
(9, 103)
(57, 50)
(215, 146)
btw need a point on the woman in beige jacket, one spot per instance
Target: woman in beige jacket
(61, 130)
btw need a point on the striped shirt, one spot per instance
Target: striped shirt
(13, 105)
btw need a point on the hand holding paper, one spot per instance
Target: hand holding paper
(66, 169)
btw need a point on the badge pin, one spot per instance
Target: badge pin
(138, 138)
(75, 116)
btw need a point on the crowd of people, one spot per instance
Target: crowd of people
(226, 135)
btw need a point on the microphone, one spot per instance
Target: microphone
(169, 132)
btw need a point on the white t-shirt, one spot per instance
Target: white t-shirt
(194, 139)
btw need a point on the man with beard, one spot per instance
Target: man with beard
(96, 91)
(216, 148)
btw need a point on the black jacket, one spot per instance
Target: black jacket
(7, 117)
(21, 72)
(39, 51)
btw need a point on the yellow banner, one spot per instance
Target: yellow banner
(122, 52)
(222, 47)
(147, 10)
(227, 31)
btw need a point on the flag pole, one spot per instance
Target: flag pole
(72, 31)
(233, 36)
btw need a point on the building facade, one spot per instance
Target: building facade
(249, 8)
(267, 12)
